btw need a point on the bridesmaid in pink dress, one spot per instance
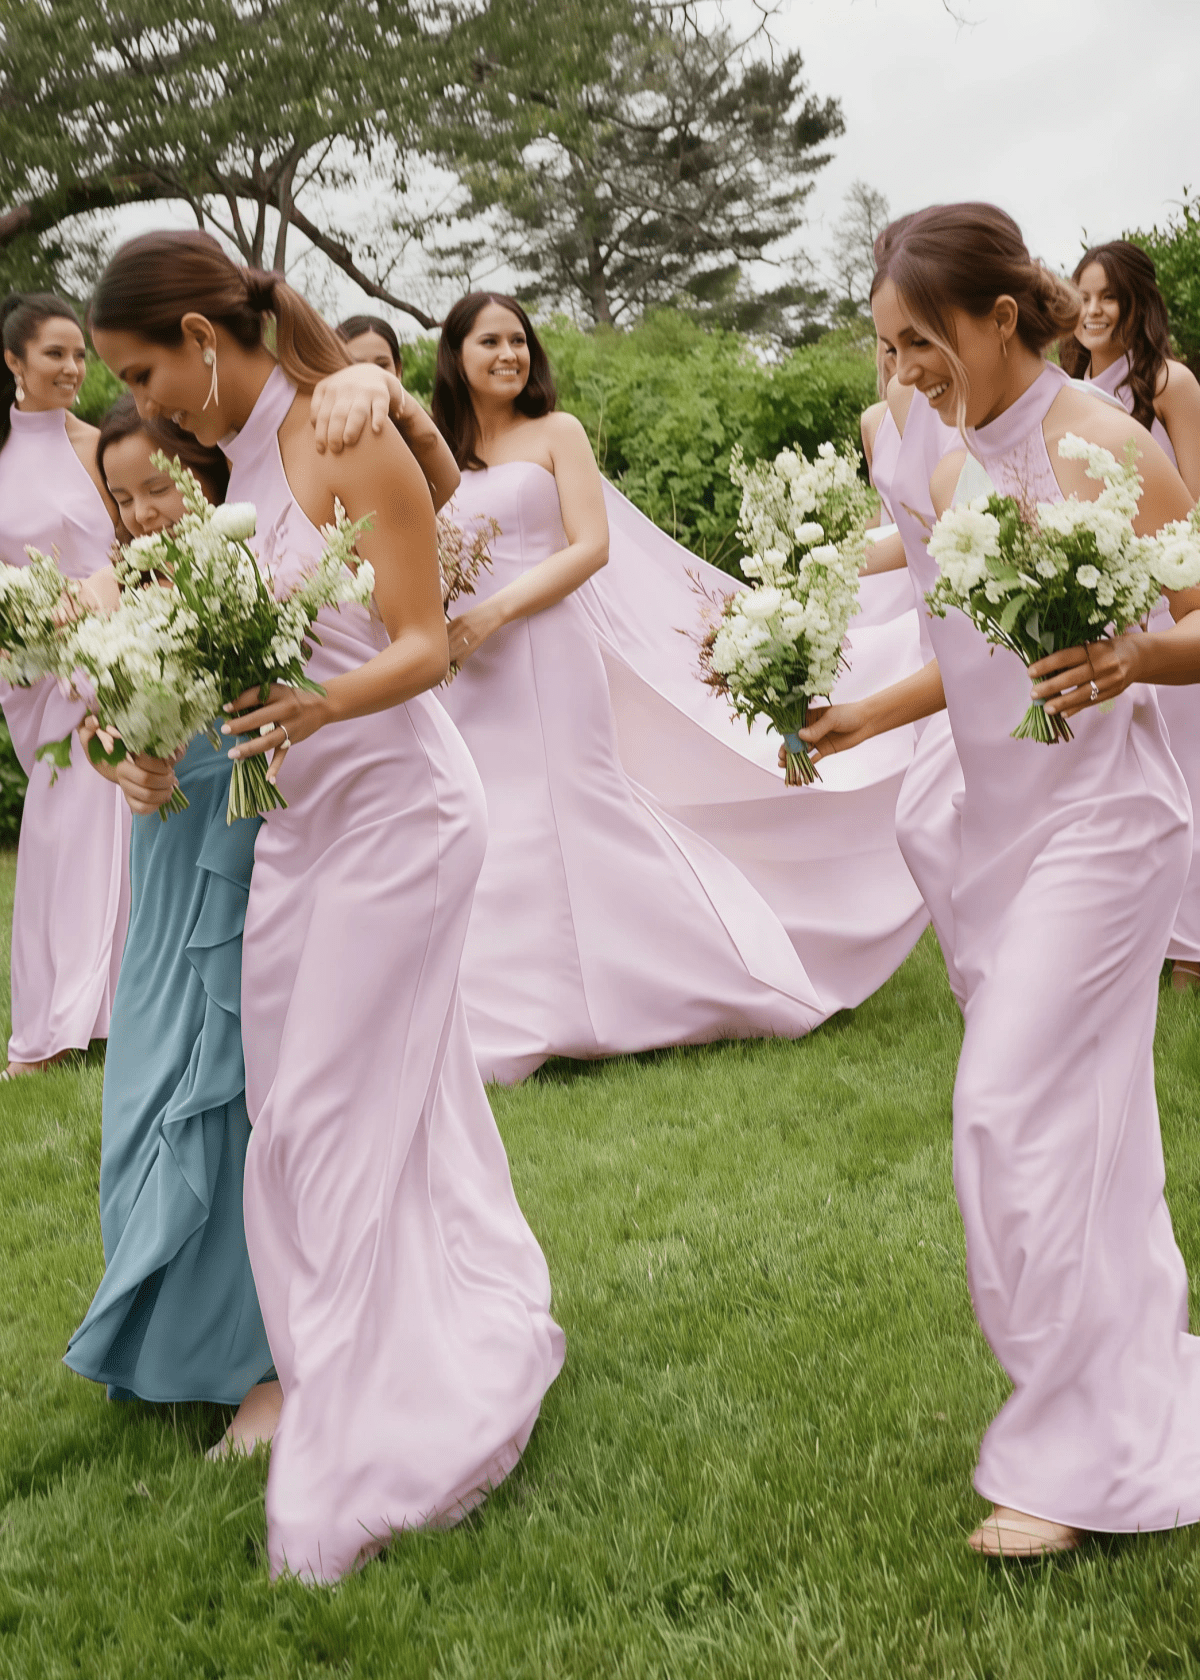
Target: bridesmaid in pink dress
(601, 924)
(1071, 865)
(1122, 345)
(71, 904)
(405, 1299)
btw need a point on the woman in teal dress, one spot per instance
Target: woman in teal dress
(176, 1316)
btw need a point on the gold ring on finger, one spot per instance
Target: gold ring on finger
(287, 739)
(1094, 692)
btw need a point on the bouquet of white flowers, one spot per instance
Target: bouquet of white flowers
(35, 603)
(198, 625)
(136, 668)
(1072, 572)
(777, 645)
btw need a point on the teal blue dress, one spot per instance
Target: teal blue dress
(176, 1316)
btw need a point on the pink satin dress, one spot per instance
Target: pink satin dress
(1179, 706)
(71, 906)
(885, 456)
(647, 880)
(1071, 864)
(928, 810)
(406, 1301)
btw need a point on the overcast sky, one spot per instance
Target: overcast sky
(1072, 114)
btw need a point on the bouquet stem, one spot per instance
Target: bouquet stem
(178, 802)
(250, 793)
(799, 769)
(1039, 725)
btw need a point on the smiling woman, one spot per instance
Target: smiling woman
(72, 874)
(405, 1300)
(1066, 881)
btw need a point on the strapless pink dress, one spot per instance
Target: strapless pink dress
(928, 819)
(1069, 874)
(71, 906)
(1180, 706)
(406, 1301)
(640, 868)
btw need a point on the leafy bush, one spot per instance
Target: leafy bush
(12, 789)
(99, 391)
(665, 403)
(1175, 250)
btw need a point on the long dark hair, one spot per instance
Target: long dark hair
(453, 410)
(357, 326)
(123, 421)
(21, 316)
(155, 280)
(1143, 329)
(965, 256)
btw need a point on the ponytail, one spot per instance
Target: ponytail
(153, 281)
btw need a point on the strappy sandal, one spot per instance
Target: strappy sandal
(1016, 1536)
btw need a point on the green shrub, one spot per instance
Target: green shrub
(99, 391)
(12, 789)
(1175, 250)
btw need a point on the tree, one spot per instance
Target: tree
(852, 254)
(1175, 250)
(626, 154)
(256, 114)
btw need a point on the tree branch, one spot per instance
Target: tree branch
(342, 258)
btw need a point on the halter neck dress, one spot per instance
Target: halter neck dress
(1071, 864)
(71, 903)
(1180, 706)
(928, 810)
(406, 1300)
(613, 912)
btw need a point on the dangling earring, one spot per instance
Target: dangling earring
(20, 390)
(214, 396)
(1003, 345)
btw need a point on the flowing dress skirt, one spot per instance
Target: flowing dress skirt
(176, 1316)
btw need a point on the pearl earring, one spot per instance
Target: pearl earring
(210, 360)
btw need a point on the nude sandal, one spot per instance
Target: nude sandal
(1185, 977)
(1012, 1534)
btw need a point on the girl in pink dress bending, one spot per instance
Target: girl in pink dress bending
(405, 1300)
(1122, 345)
(72, 893)
(1069, 872)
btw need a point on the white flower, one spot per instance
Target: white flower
(810, 532)
(235, 520)
(1087, 577)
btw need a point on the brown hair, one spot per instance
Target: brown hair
(453, 410)
(21, 317)
(156, 279)
(123, 421)
(357, 326)
(1143, 329)
(965, 256)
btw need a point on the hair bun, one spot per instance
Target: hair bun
(1058, 297)
(260, 291)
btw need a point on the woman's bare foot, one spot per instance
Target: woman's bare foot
(254, 1422)
(1185, 976)
(1013, 1534)
(15, 1070)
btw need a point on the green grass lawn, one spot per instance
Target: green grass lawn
(757, 1461)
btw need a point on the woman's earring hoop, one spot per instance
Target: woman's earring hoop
(210, 360)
